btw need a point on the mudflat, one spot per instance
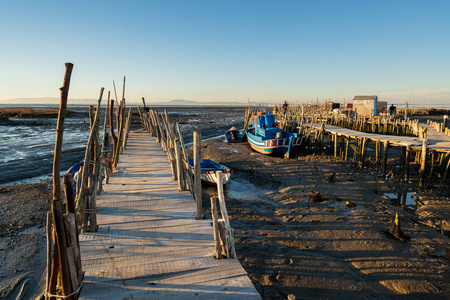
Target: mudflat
(317, 227)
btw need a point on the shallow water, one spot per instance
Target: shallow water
(406, 201)
(33, 140)
(242, 190)
(25, 141)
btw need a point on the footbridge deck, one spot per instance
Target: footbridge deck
(149, 244)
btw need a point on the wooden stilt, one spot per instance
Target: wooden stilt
(407, 159)
(423, 162)
(385, 157)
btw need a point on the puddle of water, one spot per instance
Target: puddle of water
(243, 190)
(406, 201)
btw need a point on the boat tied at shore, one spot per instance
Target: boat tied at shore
(208, 171)
(235, 136)
(265, 137)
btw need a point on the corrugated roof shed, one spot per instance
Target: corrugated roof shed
(372, 97)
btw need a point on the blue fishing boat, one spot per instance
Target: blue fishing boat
(208, 170)
(235, 136)
(265, 137)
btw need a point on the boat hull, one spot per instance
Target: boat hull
(276, 146)
(211, 177)
(209, 169)
(238, 138)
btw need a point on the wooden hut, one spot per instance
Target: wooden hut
(366, 106)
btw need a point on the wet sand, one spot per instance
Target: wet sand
(288, 246)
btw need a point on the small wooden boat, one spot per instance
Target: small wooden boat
(74, 171)
(264, 137)
(235, 136)
(208, 171)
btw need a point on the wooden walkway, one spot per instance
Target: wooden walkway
(149, 245)
(436, 140)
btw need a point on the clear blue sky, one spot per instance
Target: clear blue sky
(228, 50)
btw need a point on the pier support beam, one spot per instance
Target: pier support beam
(423, 161)
(385, 157)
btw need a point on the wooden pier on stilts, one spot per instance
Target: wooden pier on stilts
(149, 244)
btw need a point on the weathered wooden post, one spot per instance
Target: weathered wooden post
(407, 159)
(111, 127)
(430, 173)
(197, 173)
(224, 224)
(120, 136)
(60, 236)
(50, 288)
(335, 144)
(81, 196)
(69, 193)
(377, 152)
(214, 217)
(105, 148)
(364, 144)
(385, 157)
(180, 173)
(423, 161)
(187, 169)
(127, 131)
(444, 177)
(347, 141)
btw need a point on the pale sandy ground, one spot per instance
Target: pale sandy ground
(287, 245)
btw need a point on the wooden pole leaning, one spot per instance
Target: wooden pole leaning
(86, 167)
(197, 174)
(60, 236)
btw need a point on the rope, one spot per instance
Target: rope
(47, 294)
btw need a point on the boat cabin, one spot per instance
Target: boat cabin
(265, 125)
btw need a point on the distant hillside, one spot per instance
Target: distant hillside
(176, 102)
(47, 100)
(182, 102)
